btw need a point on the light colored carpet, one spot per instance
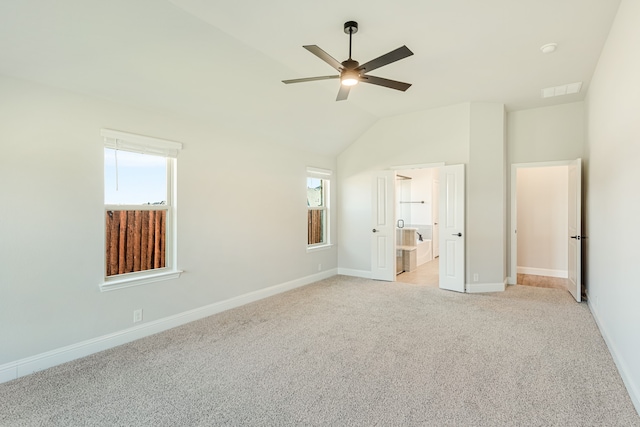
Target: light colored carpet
(347, 351)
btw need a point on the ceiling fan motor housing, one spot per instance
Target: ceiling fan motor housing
(350, 64)
(351, 27)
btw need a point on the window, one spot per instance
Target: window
(140, 213)
(318, 181)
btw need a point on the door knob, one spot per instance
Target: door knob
(457, 234)
(575, 237)
(374, 230)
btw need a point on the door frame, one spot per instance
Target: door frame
(513, 218)
(417, 166)
(396, 168)
(437, 165)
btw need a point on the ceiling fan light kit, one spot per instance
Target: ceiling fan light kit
(351, 72)
(349, 77)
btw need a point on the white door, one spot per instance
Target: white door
(452, 228)
(383, 227)
(435, 231)
(575, 229)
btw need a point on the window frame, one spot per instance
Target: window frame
(151, 146)
(325, 176)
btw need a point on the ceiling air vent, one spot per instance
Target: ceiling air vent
(562, 90)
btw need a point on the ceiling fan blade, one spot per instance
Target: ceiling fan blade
(343, 93)
(387, 58)
(309, 79)
(393, 84)
(324, 56)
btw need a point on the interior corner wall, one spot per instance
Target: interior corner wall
(613, 205)
(486, 197)
(242, 218)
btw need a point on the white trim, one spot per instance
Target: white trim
(543, 164)
(474, 288)
(319, 247)
(118, 140)
(164, 207)
(28, 365)
(134, 279)
(417, 166)
(355, 273)
(319, 173)
(623, 369)
(563, 274)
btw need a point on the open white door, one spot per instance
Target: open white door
(383, 227)
(574, 283)
(451, 223)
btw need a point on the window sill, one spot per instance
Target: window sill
(138, 279)
(319, 248)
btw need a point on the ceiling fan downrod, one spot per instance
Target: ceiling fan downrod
(350, 27)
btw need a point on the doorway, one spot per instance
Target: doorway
(451, 261)
(417, 226)
(545, 211)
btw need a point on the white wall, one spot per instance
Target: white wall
(546, 134)
(421, 188)
(486, 195)
(421, 184)
(542, 207)
(613, 205)
(241, 218)
(446, 135)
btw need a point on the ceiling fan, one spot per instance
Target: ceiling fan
(351, 72)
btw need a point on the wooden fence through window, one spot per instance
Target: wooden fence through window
(135, 240)
(315, 232)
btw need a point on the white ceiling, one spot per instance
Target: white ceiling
(223, 61)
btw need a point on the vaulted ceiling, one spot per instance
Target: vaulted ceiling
(223, 61)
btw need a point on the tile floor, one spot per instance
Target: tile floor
(427, 274)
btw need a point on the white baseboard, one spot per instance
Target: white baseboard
(563, 274)
(474, 288)
(632, 387)
(28, 365)
(355, 273)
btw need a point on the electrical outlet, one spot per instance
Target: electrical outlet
(475, 277)
(137, 315)
(319, 267)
